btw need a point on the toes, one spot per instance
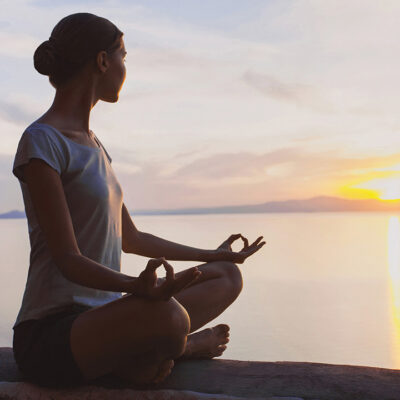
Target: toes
(225, 340)
(221, 349)
(223, 333)
(222, 329)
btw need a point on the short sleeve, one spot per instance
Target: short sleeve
(37, 143)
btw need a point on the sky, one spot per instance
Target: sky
(227, 102)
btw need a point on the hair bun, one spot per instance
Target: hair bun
(73, 43)
(44, 58)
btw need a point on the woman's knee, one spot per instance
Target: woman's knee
(177, 321)
(234, 277)
(169, 316)
(176, 327)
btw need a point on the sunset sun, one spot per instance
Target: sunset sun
(385, 188)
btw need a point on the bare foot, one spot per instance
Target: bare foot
(208, 343)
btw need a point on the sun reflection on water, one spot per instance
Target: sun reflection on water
(394, 276)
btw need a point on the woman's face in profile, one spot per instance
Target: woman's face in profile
(115, 76)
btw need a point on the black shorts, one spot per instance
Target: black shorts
(42, 349)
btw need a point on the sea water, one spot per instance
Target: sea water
(325, 288)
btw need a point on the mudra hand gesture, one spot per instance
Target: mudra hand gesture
(145, 285)
(224, 251)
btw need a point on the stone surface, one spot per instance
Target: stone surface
(297, 379)
(28, 391)
(225, 379)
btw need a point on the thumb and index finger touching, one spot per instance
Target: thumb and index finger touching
(236, 236)
(171, 284)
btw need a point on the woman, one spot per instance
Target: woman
(74, 325)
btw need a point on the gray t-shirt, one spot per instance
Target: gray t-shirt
(94, 199)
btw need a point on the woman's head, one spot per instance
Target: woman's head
(75, 41)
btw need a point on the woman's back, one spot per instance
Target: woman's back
(94, 199)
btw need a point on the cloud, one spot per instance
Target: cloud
(297, 93)
(17, 44)
(10, 194)
(221, 167)
(6, 162)
(247, 178)
(15, 112)
(190, 153)
(228, 93)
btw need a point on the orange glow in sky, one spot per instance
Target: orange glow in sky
(377, 183)
(385, 188)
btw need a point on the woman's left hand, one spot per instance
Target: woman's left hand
(224, 251)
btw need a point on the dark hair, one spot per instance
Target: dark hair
(74, 41)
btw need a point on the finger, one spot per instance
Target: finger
(154, 263)
(246, 242)
(170, 275)
(232, 238)
(166, 288)
(173, 286)
(250, 251)
(256, 242)
(191, 275)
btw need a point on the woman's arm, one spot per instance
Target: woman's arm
(148, 245)
(52, 212)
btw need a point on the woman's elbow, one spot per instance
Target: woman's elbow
(62, 260)
(127, 248)
(131, 243)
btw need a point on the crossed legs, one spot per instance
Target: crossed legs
(139, 339)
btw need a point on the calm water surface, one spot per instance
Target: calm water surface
(325, 287)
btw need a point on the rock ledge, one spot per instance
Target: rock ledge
(224, 379)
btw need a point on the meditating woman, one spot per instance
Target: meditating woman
(74, 324)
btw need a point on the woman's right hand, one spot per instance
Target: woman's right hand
(145, 285)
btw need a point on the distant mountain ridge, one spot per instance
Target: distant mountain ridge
(13, 214)
(314, 204)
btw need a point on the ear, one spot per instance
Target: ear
(102, 61)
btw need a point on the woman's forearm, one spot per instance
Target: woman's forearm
(86, 272)
(148, 245)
